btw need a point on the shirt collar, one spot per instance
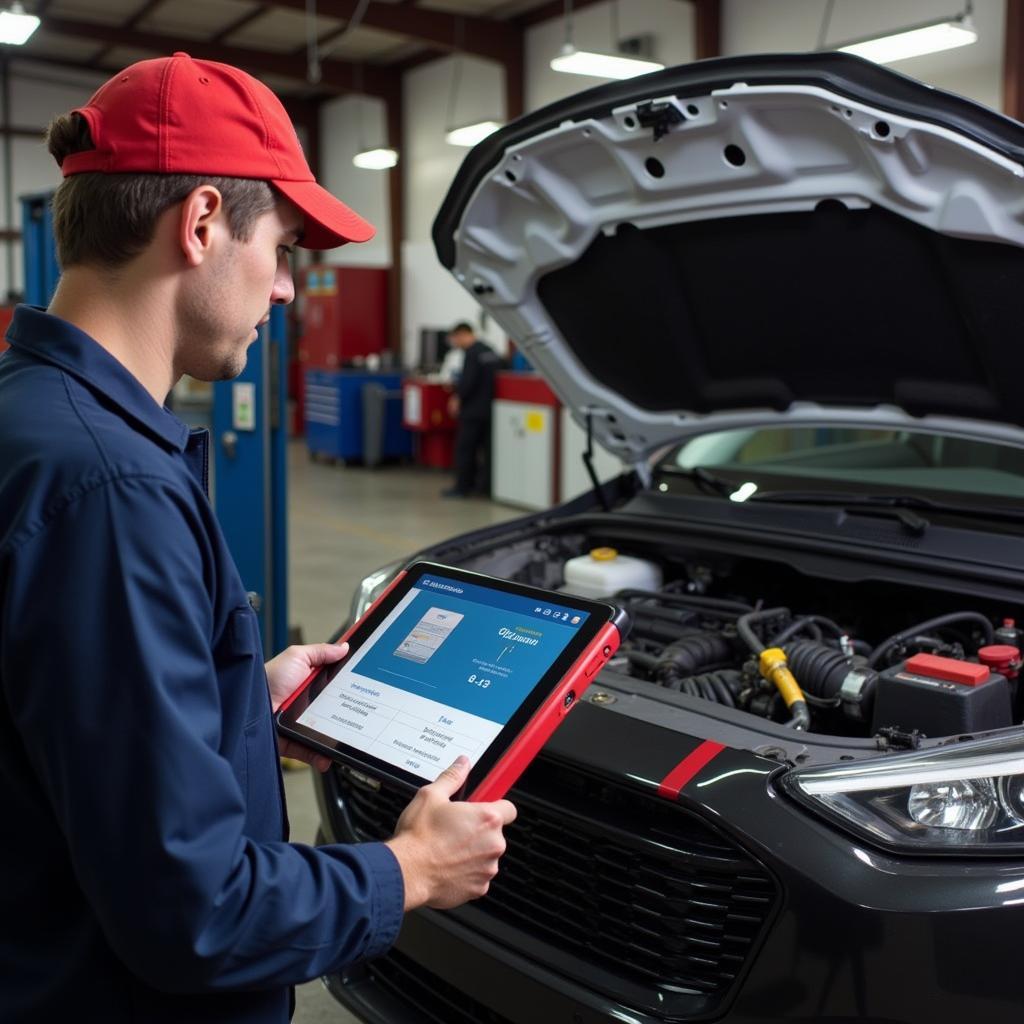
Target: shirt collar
(56, 341)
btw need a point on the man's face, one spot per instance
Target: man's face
(461, 339)
(231, 294)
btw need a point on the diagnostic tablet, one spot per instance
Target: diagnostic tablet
(449, 662)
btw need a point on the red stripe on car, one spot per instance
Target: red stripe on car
(689, 766)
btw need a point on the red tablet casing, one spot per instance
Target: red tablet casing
(348, 632)
(502, 777)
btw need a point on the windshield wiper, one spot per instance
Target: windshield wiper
(881, 502)
(704, 479)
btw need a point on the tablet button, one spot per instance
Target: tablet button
(595, 664)
(607, 652)
(569, 698)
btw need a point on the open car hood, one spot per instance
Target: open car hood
(751, 240)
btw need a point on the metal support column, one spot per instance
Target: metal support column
(250, 476)
(38, 249)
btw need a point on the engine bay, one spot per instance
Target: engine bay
(865, 659)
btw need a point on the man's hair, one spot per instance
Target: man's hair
(108, 219)
(462, 328)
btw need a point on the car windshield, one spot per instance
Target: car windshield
(749, 463)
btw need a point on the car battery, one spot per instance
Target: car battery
(941, 696)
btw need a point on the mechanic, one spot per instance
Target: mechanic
(471, 403)
(150, 878)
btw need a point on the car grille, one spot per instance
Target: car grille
(399, 978)
(624, 883)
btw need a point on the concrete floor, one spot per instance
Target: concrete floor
(343, 523)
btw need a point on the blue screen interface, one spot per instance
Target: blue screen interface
(443, 673)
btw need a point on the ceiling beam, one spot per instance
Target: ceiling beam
(142, 13)
(99, 54)
(555, 9)
(239, 23)
(322, 41)
(1013, 60)
(89, 66)
(481, 37)
(337, 76)
(515, 81)
(415, 60)
(306, 113)
(707, 26)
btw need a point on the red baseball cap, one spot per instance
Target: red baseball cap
(176, 115)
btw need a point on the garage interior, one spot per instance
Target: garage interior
(345, 400)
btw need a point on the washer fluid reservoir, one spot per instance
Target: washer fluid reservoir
(604, 571)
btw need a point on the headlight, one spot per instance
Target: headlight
(372, 587)
(967, 798)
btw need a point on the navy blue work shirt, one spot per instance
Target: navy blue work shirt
(144, 872)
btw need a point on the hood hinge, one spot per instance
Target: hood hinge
(661, 116)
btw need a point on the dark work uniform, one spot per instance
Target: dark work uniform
(475, 388)
(146, 876)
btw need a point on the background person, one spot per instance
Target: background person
(471, 403)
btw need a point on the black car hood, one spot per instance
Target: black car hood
(747, 241)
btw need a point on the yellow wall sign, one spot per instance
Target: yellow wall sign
(535, 421)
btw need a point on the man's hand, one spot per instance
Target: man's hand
(284, 674)
(448, 851)
(453, 406)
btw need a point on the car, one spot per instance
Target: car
(787, 292)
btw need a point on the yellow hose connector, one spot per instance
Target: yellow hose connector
(774, 668)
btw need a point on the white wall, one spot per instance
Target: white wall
(348, 125)
(430, 162)
(430, 295)
(671, 22)
(975, 71)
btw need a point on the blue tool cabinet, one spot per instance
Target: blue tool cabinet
(334, 414)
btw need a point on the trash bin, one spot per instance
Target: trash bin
(384, 436)
(374, 411)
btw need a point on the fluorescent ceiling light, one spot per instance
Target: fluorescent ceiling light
(601, 65)
(16, 26)
(914, 42)
(471, 134)
(376, 159)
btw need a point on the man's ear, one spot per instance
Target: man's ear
(202, 212)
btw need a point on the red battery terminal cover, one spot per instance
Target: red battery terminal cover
(966, 673)
(1002, 658)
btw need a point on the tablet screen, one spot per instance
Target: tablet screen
(442, 674)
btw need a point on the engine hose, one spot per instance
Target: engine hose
(686, 656)
(828, 675)
(820, 669)
(806, 626)
(722, 687)
(697, 601)
(744, 626)
(923, 627)
(677, 616)
(641, 658)
(861, 647)
(811, 623)
(773, 666)
(655, 629)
